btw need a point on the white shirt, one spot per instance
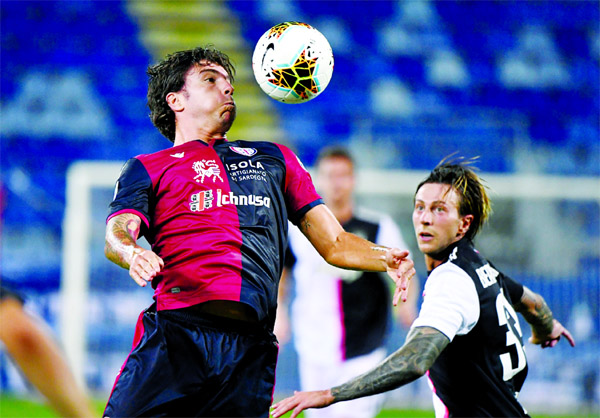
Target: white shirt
(317, 311)
(450, 302)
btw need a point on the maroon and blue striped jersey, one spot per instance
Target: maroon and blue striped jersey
(217, 215)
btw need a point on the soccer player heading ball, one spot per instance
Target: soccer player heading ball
(215, 214)
(467, 335)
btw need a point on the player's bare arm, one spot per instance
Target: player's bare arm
(338, 247)
(122, 232)
(345, 250)
(544, 328)
(120, 247)
(423, 346)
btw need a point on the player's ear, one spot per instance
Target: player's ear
(174, 101)
(465, 224)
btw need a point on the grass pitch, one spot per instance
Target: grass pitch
(12, 407)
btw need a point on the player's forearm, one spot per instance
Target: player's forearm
(120, 240)
(411, 361)
(536, 312)
(352, 252)
(338, 247)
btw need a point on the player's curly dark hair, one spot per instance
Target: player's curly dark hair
(459, 173)
(169, 76)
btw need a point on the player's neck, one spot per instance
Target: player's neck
(184, 137)
(434, 259)
(431, 263)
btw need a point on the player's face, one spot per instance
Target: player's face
(335, 180)
(436, 219)
(207, 97)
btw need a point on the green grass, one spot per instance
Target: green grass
(395, 413)
(11, 407)
(392, 413)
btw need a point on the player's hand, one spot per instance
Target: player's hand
(552, 339)
(301, 401)
(144, 265)
(401, 270)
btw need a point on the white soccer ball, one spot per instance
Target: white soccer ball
(292, 62)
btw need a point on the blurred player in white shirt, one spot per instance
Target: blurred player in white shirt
(340, 317)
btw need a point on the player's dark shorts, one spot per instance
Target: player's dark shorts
(186, 365)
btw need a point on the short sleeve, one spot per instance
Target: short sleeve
(515, 289)
(133, 192)
(300, 193)
(450, 302)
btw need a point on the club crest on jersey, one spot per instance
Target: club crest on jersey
(207, 168)
(248, 152)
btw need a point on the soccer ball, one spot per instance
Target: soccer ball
(292, 62)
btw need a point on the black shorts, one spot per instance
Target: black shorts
(186, 365)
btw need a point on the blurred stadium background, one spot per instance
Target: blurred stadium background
(516, 82)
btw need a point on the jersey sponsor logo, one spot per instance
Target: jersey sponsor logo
(487, 275)
(248, 152)
(207, 168)
(247, 170)
(208, 199)
(178, 155)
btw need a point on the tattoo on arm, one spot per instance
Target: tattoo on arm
(133, 228)
(122, 232)
(423, 346)
(305, 226)
(536, 312)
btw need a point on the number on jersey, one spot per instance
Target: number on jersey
(513, 360)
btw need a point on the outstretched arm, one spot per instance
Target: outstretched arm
(345, 250)
(423, 346)
(545, 329)
(37, 354)
(120, 247)
(338, 247)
